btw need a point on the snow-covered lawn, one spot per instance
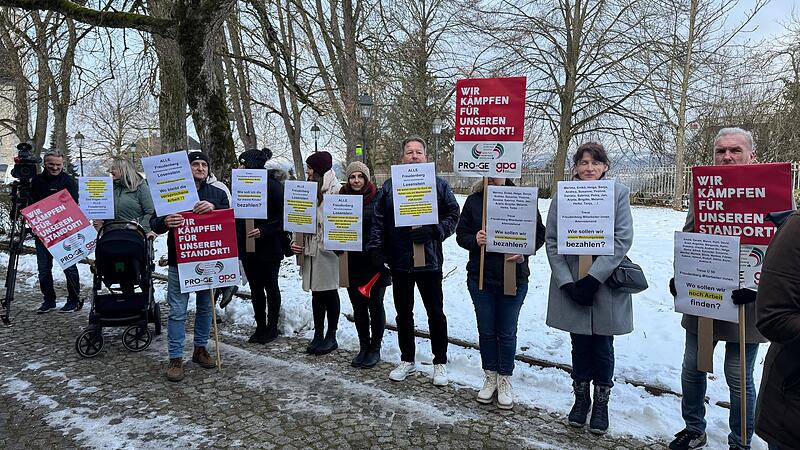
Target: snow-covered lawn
(651, 354)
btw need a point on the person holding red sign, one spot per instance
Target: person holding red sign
(320, 267)
(53, 179)
(211, 198)
(588, 308)
(731, 146)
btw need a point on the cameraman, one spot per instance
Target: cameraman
(53, 179)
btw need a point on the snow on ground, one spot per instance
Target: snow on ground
(651, 354)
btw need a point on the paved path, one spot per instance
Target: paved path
(272, 396)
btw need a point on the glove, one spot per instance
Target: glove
(570, 290)
(421, 235)
(377, 259)
(338, 252)
(743, 296)
(672, 289)
(585, 289)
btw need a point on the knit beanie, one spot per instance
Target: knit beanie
(255, 159)
(320, 162)
(357, 166)
(194, 156)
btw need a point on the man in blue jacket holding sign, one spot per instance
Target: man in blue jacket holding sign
(211, 198)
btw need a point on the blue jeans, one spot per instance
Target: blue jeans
(44, 263)
(176, 328)
(497, 316)
(593, 359)
(694, 382)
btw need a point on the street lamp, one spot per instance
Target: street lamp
(79, 140)
(436, 130)
(365, 106)
(132, 149)
(315, 132)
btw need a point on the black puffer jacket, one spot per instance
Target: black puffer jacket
(469, 224)
(269, 247)
(394, 242)
(45, 185)
(360, 266)
(206, 192)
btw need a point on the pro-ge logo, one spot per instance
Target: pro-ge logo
(208, 268)
(73, 242)
(488, 150)
(755, 258)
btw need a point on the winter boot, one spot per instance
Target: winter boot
(258, 336)
(314, 343)
(202, 358)
(486, 394)
(270, 334)
(373, 355)
(598, 424)
(505, 394)
(579, 411)
(175, 369)
(329, 344)
(358, 361)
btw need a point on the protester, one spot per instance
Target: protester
(53, 179)
(132, 201)
(319, 267)
(731, 146)
(368, 312)
(263, 265)
(211, 198)
(394, 245)
(778, 310)
(497, 314)
(586, 307)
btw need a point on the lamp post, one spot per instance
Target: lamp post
(436, 130)
(315, 132)
(132, 149)
(79, 140)
(365, 106)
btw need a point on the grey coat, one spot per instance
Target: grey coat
(612, 311)
(723, 331)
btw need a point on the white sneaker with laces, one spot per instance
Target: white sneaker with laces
(505, 394)
(403, 370)
(439, 375)
(486, 394)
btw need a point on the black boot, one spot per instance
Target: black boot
(329, 344)
(362, 352)
(373, 355)
(258, 336)
(579, 411)
(315, 343)
(270, 334)
(598, 424)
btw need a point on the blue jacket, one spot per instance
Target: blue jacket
(206, 192)
(394, 242)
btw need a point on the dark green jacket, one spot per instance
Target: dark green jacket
(135, 206)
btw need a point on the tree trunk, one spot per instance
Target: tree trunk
(239, 87)
(172, 105)
(198, 31)
(680, 135)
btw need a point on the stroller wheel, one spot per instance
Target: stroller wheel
(89, 343)
(157, 319)
(136, 338)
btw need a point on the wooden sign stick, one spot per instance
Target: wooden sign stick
(250, 243)
(299, 239)
(344, 276)
(214, 322)
(584, 264)
(509, 277)
(419, 251)
(483, 227)
(705, 344)
(742, 375)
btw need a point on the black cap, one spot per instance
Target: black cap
(194, 156)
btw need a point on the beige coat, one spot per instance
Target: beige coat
(320, 267)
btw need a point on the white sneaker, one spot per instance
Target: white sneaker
(439, 375)
(505, 395)
(486, 393)
(403, 370)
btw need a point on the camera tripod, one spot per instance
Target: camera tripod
(19, 231)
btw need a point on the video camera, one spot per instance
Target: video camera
(26, 163)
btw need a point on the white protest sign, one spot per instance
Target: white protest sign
(96, 197)
(414, 194)
(344, 218)
(511, 219)
(706, 272)
(171, 184)
(300, 206)
(586, 217)
(249, 193)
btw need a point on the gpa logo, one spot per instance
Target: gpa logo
(503, 167)
(208, 268)
(488, 150)
(73, 242)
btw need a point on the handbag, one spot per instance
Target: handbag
(627, 277)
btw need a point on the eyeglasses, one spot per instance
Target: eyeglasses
(594, 163)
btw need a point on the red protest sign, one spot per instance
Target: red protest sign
(490, 125)
(732, 200)
(206, 250)
(62, 227)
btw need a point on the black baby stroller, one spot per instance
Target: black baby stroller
(124, 264)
